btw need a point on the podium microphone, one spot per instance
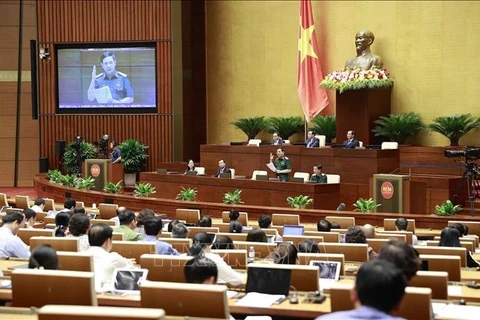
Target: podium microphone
(341, 207)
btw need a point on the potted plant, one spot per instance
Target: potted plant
(365, 205)
(75, 154)
(111, 187)
(134, 156)
(454, 127)
(233, 197)
(285, 126)
(85, 183)
(447, 209)
(55, 176)
(325, 125)
(250, 126)
(187, 194)
(68, 180)
(398, 127)
(143, 190)
(299, 202)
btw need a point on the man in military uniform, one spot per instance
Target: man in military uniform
(282, 164)
(116, 81)
(317, 175)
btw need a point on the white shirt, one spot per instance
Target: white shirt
(36, 208)
(104, 263)
(225, 272)
(11, 245)
(83, 243)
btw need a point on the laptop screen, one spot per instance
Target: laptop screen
(292, 230)
(128, 279)
(329, 270)
(268, 280)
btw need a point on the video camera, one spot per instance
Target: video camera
(470, 153)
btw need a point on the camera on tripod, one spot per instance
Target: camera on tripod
(470, 153)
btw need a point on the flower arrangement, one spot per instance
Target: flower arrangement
(356, 79)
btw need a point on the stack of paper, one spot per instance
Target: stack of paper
(260, 300)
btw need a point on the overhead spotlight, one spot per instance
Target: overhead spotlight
(44, 54)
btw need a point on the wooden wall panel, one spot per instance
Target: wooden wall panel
(106, 21)
(7, 170)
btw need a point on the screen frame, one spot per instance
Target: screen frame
(110, 110)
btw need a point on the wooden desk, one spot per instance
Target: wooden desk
(273, 193)
(5, 264)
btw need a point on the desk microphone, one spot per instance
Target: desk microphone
(341, 207)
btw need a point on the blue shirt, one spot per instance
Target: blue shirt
(162, 247)
(11, 245)
(118, 83)
(115, 154)
(363, 312)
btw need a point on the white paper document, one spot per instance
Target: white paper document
(271, 167)
(260, 300)
(103, 94)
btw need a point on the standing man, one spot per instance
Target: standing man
(351, 142)
(222, 168)
(317, 175)
(282, 165)
(277, 141)
(312, 141)
(118, 83)
(116, 153)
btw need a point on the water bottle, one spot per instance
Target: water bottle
(251, 253)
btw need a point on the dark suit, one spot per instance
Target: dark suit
(351, 144)
(279, 142)
(312, 143)
(224, 170)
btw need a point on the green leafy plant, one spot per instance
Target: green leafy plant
(134, 155)
(143, 190)
(447, 208)
(250, 126)
(398, 127)
(365, 205)
(285, 126)
(454, 127)
(72, 160)
(111, 187)
(187, 194)
(68, 180)
(233, 197)
(85, 183)
(54, 176)
(326, 126)
(299, 202)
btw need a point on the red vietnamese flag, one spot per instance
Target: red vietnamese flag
(313, 98)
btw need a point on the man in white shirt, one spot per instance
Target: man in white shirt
(39, 205)
(104, 261)
(10, 244)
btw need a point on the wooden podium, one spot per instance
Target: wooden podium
(357, 110)
(103, 171)
(398, 194)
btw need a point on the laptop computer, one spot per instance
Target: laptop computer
(51, 213)
(191, 173)
(91, 216)
(103, 95)
(291, 230)
(128, 280)
(225, 175)
(263, 279)
(298, 180)
(329, 272)
(263, 177)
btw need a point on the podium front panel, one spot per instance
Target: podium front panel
(98, 169)
(389, 191)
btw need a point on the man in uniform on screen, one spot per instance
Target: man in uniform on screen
(118, 83)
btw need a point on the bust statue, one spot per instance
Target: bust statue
(364, 59)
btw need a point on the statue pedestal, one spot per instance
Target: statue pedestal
(357, 110)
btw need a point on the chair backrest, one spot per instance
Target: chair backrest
(200, 170)
(254, 142)
(48, 219)
(465, 244)
(304, 175)
(118, 236)
(280, 219)
(164, 267)
(3, 200)
(188, 215)
(262, 249)
(268, 231)
(327, 236)
(49, 204)
(304, 259)
(61, 312)
(406, 236)
(261, 172)
(111, 223)
(75, 261)
(303, 278)
(449, 264)
(376, 244)
(243, 218)
(222, 227)
(181, 245)
(237, 259)
(59, 244)
(360, 144)
(353, 251)
(333, 178)
(133, 249)
(25, 234)
(107, 210)
(194, 230)
(36, 288)
(80, 204)
(299, 239)
(344, 222)
(286, 141)
(389, 145)
(473, 240)
(452, 251)
(40, 216)
(389, 225)
(233, 236)
(232, 173)
(322, 140)
(435, 280)
(473, 226)
(22, 202)
(188, 299)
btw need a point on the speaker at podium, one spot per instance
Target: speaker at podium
(103, 171)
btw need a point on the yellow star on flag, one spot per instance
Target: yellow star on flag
(304, 44)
